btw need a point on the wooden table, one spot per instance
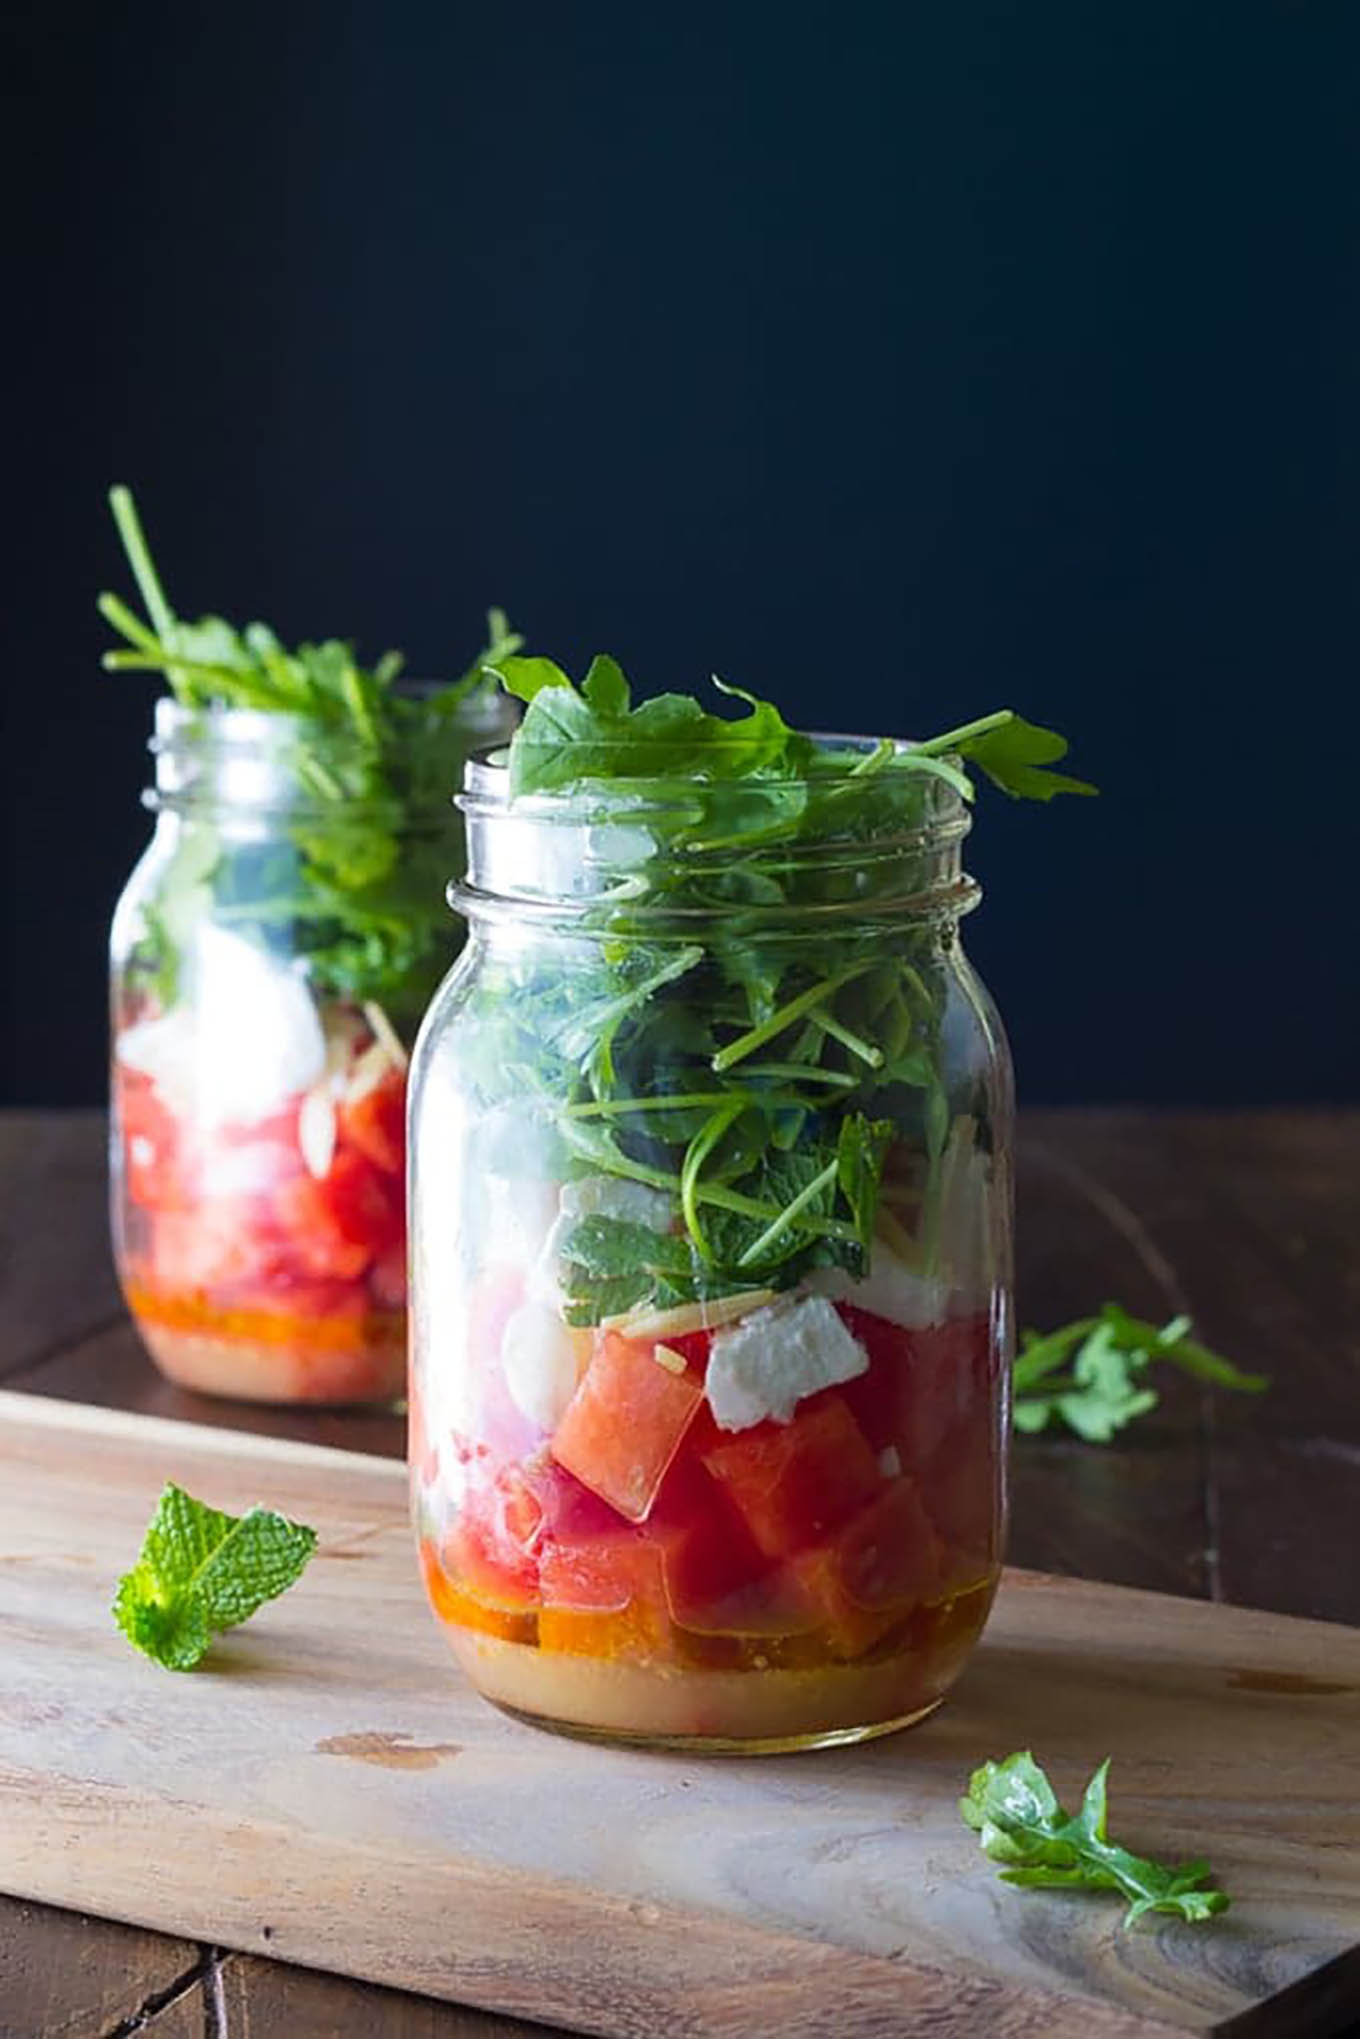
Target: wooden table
(1249, 1222)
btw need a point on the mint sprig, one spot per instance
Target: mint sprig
(202, 1571)
(1091, 1374)
(1014, 1811)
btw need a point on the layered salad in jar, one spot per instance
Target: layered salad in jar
(272, 955)
(711, 1211)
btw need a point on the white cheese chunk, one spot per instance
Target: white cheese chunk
(766, 1364)
(249, 1040)
(889, 1290)
(540, 1356)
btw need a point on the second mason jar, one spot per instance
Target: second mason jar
(711, 1260)
(272, 954)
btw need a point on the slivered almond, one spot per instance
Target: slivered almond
(368, 1072)
(385, 1032)
(688, 1317)
(316, 1130)
(674, 1362)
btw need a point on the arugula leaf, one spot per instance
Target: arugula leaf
(702, 1043)
(361, 896)
(1088, 1375)
(1014, 1811)
(201, 1571)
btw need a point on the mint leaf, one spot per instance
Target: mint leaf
(1014, 1811)
(201, 1571)
(1101, 1391)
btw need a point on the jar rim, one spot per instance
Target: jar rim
(486, 785)
(658, 850)
(480, 713)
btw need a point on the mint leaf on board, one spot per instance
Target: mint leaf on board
(1090, 1374)
(201, 1571)
(1014, 1811)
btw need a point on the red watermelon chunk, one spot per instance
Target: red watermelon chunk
(716, 1578)
(962, 1493)
(920, 1383)
(884, 1562)
(794, 1482)
(625, 1423)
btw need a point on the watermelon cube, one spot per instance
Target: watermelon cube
(962, 1492)
(884, 1562)
(602, 1592)
(794, 1482)
(920, 1382)
(717, 1580)
(626, 1421)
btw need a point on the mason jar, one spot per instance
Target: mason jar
(271, 956)
(711, 1259)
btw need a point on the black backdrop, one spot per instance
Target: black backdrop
(899, 361)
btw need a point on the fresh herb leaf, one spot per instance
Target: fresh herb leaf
(1014, 1811)
(701, 1044)
(1089, 1375)
(201, 1571)
(358, 890)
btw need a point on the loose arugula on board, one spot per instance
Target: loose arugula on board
(201, 1571)
(1089, 1375)
(365, 900)
(1014, 1811)
(757, 1088)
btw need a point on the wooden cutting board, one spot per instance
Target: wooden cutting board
(326, 1789)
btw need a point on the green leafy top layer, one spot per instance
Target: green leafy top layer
(1014, 1811)
(355, 885)
(201, 1571)
(576, 735)
(211, 664)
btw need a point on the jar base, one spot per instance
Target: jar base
(721, 1745)
(670, 1706)
(241, 1370)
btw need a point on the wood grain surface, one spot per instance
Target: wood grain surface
(1248, 1219)
(357, 1807)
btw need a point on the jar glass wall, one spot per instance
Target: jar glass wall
(711, 1269)
(271, 955)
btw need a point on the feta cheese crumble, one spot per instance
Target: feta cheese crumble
(765, 1365)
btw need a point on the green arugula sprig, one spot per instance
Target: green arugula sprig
(571, 736)
(1090, 1375)
(703, 1046)
(201, 1571)
(357, 885)
(1014, 1811)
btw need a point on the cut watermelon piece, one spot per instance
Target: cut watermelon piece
(717, 1581)
(920, 1383)
(153, 1159)
(223, 1244)
(625, 1423)
(601, 1580)
(884, 1562)
(962, 1492)
(492, 1549)
(374, 1122)
(794, 1482)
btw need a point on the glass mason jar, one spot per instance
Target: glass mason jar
(711, 1262)
(271, 956)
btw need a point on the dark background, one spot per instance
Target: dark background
(898, 361)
